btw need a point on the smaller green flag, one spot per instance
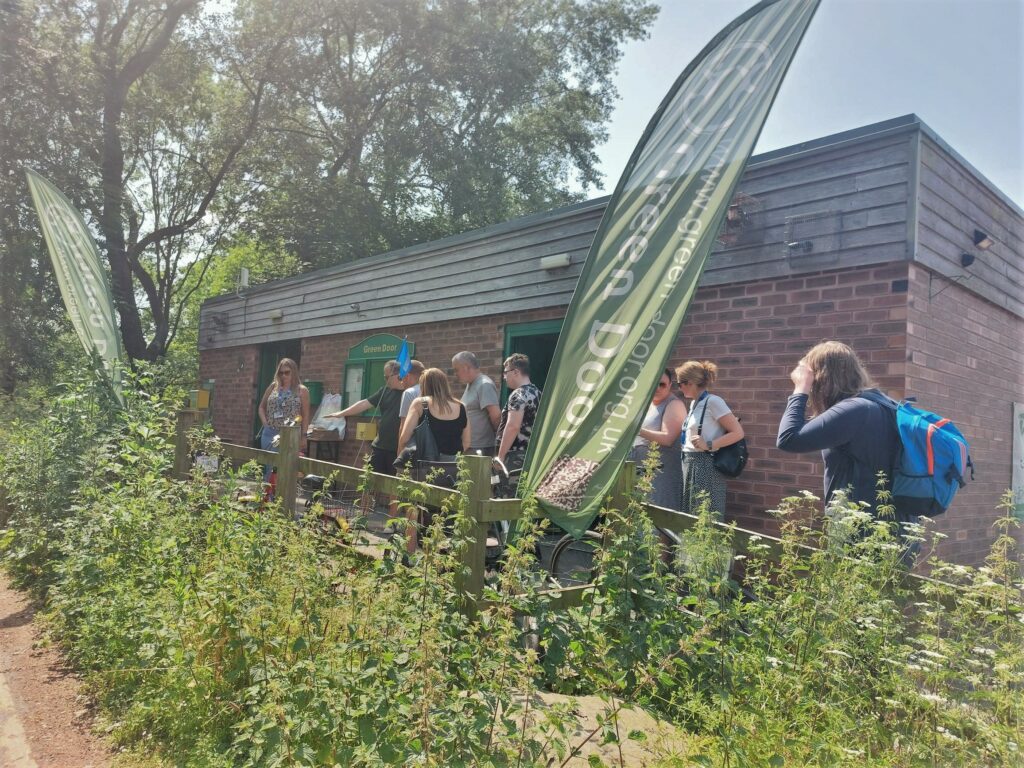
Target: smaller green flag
(80, 275)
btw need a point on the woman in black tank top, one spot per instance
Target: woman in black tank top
(448, 421)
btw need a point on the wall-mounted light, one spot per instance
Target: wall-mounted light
(966, 259)
(276, 314)
(557, 261)
(982, 241)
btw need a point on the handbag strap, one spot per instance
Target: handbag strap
(703, 413)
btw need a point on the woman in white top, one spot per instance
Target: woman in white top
(710, 425)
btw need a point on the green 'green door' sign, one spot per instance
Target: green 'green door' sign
(364, 366)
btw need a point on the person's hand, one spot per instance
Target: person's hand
(803, 379)
(700, 443)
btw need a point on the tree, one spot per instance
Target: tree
(27, 291)
(410, 120)
(340, 128)
(157, 113)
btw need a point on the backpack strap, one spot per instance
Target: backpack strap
(875, 396)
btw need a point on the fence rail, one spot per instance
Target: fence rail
(480, 507)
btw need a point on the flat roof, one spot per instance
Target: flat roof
(904, 123)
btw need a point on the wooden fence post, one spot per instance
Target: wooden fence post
(187, 419)
(288, 468)
(471, 580)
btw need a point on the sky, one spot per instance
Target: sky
(957, 64)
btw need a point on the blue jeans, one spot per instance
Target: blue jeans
(267, 435)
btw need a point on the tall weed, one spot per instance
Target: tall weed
(218, 632)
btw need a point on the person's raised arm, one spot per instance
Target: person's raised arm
(671, 425)
(411, 420)
(826, 430)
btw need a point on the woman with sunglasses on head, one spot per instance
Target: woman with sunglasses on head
(710, 426)
(662, 426)
(285, 399)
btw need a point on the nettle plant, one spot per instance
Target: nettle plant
(827, 638)
(216, 630)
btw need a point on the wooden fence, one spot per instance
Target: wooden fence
(480, 507)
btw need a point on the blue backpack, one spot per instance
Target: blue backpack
(933, 462)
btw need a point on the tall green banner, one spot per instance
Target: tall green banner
(648, 255)
(80, 274)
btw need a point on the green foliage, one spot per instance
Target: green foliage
(338, 130)
(222, 633)
(217, 631)
(826, 656)
(407, 121)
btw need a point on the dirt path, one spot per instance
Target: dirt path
(44, 722)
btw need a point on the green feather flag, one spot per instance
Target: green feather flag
(80, 275)
(647, 257)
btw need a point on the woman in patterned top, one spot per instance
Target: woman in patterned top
(285, 400)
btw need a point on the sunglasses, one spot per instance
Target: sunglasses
(663, 384)
(284, 372)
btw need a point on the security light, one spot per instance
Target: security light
(558, 261)
(982, 240)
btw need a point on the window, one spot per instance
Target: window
(364, 367)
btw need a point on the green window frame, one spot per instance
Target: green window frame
(363, 372)
(518, 331)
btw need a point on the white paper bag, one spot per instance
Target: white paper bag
(330, 404)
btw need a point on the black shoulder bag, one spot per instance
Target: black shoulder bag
(426, 445)
(731, 459)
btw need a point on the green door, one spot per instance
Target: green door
(537, 341)
(270, 356)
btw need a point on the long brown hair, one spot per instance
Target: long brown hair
(434, 384)
(838, 374)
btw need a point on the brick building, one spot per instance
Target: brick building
(861, 236)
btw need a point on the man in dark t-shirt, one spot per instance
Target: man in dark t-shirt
(388, 400)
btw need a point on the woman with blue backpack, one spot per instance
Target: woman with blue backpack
(851, 426)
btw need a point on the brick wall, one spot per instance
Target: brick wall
(235, 371)
(757, 332)
(966, 362)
